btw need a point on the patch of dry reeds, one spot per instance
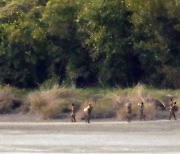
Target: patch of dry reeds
(136, 96)
(9, 101)
(52, 102)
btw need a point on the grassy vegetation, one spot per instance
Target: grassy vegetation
(54, 101)
(11, 100)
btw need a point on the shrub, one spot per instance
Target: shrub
(102, 108)
(52, 102)
(136, 96)
(9, 101)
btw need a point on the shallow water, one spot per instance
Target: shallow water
(97, 137)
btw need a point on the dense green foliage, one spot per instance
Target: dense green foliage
(90, 42)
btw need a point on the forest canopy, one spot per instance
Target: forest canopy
(90, 42)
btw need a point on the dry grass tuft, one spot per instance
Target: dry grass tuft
(46, 102)
(9, 101)
(102, 108)
(135, 96)
(114, 103)
(52, 102)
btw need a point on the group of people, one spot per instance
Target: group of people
(141, 111)
(88, 110)
(172, 109)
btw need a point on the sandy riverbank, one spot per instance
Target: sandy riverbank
(160, 136)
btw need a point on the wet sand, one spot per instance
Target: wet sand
(97, 137)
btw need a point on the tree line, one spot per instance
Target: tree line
(90, 42)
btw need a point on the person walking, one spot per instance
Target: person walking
(88, 109)
(141, 109)
(129, 111)
(172, 109)
(73, 113)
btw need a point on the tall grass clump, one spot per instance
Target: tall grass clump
(102, 108)
(113, 103)
(51, 103)
(9, 100)
(134, 96)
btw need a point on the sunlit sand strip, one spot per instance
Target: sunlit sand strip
(79, 123)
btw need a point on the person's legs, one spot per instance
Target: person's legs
(71, 118)
(129, 117)
(141, 116)
(144, 116)
(88, 118)
(170, 115)
(74, 118)
(174, 115)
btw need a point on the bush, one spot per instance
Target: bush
(137, 95)
(102, 108)
(52, 102)
(9, 100)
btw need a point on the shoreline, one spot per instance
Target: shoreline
(25, 118)
(96, 137)
(93, 122)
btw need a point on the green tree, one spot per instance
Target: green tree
(156, 37)
(22, 58)
(106, 30)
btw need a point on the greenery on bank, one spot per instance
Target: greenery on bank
(55, 101)
(114, 43)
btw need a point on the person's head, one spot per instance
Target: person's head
(72, 104)
(174, 103)
(142, 103)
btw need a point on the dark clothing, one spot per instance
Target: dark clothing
(172, 114)
(172, 111)
(129, 112)
(89, 114)
(88, 118)
(73, 114)
(142, 116)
